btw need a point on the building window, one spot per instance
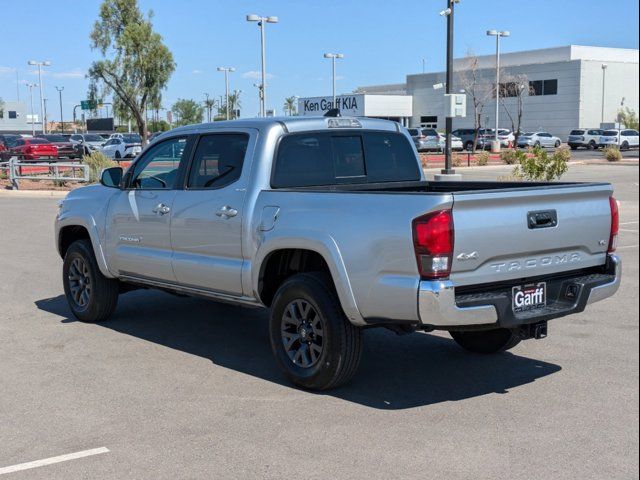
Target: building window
(13, 114)
(550, 87)
(429, 121)
(543, 87)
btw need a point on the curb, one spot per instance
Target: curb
(33, 193)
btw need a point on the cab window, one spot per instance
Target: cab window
(218, 160)
(158, 168)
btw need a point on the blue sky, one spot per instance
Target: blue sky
(382, 41)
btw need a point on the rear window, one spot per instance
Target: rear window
(610, 133)
(577, 132)
(34, 141)
(326, 158)
(414, 132)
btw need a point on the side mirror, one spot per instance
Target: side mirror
(111, 177)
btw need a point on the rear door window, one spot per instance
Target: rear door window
(325, 158)
(218, 160)
(577, 132)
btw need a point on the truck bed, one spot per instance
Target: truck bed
(422, 187)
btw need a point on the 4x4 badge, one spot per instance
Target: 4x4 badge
(468, 256)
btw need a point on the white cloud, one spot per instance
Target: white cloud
(255, 75)
(75, 73)
(6, 70)
(197, 72)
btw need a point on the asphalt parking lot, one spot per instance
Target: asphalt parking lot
(184, 388)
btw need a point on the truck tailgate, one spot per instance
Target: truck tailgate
(521, 233)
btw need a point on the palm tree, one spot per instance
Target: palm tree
(234, 103)
(290, 105)
(209, 104)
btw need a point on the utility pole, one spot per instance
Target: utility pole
(41, 64)
(60, 89)
(448, 160)
(333, 57)
(604, 72)
(263, 86)
(33, 121)
(498, 34)
(226, 71)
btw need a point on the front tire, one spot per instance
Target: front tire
(92, 297)
(314, 343)
(487, 341)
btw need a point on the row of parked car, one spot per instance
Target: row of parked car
(429, 139)
(69, 146)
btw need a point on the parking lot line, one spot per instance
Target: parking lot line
(52, 460)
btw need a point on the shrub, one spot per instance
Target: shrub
(482, 159)
(456, 160)
(513, 156)
(97, 162)
(538, 165)
(612, 154)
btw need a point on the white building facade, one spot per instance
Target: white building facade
(568, 88)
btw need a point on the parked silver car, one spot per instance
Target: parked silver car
(429, 139)
(539, 139)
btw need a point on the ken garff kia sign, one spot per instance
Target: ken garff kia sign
(350, 105)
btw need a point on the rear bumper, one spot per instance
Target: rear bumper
(441, 308)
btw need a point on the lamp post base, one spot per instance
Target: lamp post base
(447, 177)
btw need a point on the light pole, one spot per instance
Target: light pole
(498, 34)
(40, 64)
(226, 71)
(333, 57)
(263, 86)
(604, 71)
(208, 106)
(30, 86)
(448, 12)
(60, 89)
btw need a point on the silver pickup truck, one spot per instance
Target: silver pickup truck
(331, 224)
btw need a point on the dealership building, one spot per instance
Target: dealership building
(568, 87)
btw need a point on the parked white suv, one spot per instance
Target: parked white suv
(625, 139)
(588, 138)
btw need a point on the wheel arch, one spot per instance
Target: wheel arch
(77, 229)
(286, 257)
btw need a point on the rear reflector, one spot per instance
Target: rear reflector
(615, 225)
(433, 244)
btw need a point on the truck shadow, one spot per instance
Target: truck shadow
(397, 372)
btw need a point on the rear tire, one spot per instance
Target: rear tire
(625, 146)
(557, 144)
(314, 343)
(92, 297)
(487, 341)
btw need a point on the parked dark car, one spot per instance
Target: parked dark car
(33, 149)
(6, 142)
(66, 148)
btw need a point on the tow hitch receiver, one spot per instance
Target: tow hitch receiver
(534, 330)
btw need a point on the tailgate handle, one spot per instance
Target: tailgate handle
(542, 219)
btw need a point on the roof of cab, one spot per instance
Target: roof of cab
(288, 124)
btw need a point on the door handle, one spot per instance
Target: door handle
(161, 209)
(227, 212)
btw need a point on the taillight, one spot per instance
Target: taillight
(615, 225)
(433, 244)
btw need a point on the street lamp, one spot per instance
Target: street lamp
(333, 57)
(60, 89)
(40, 64)
(448, 154)
(498, 34)
(30, 86)
(226, 71)
(263, 86)
(604, 71)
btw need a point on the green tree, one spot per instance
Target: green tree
(209, 105)
(136, 65)
(290, 105)
(629, 117)
(234, 104)
(187, 111)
